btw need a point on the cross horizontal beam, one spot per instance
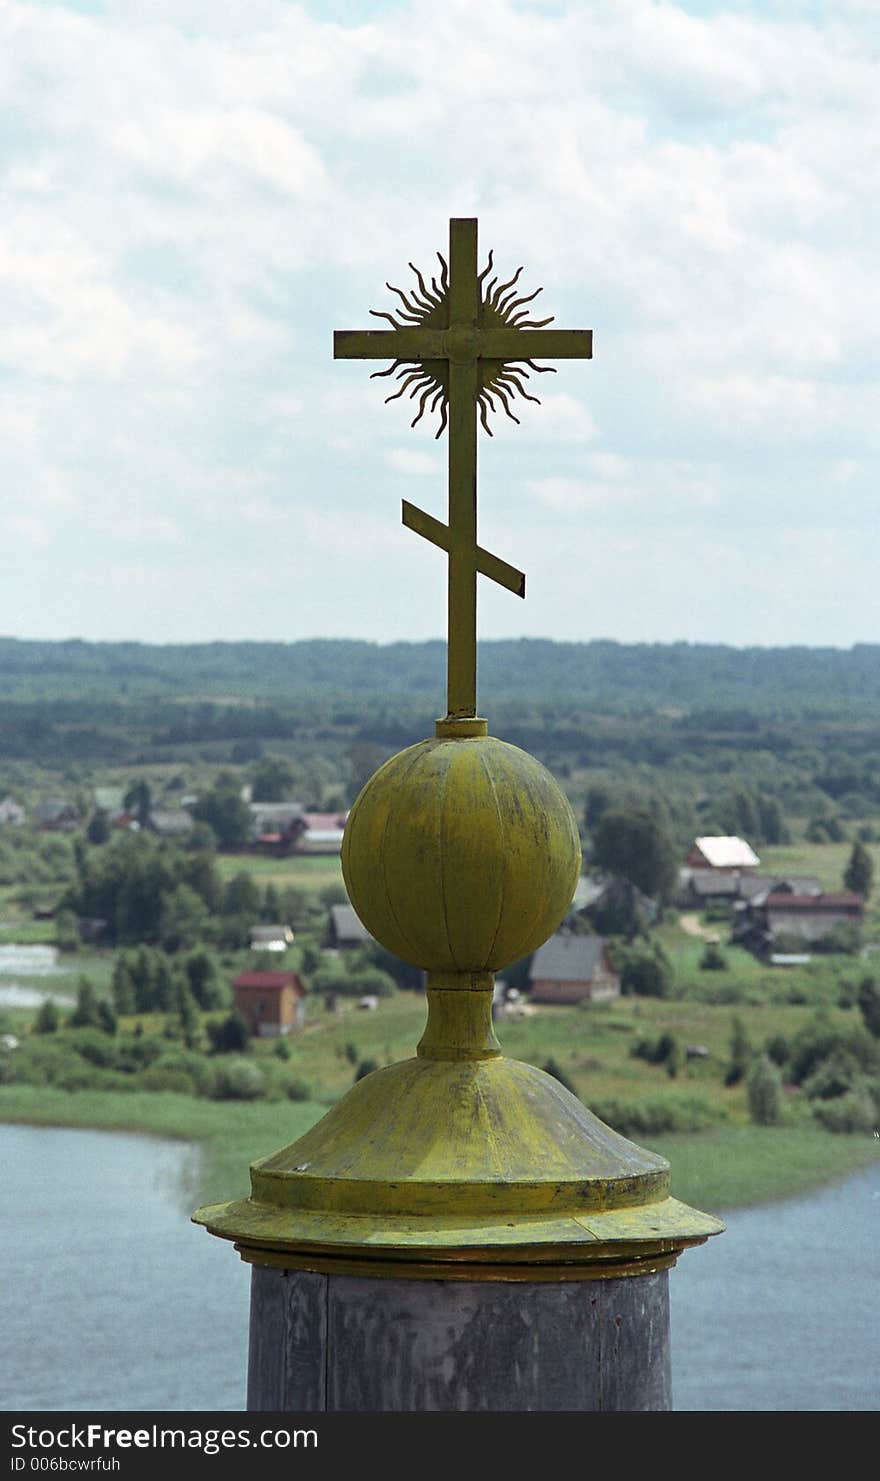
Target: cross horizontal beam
(488, 344)
(485, 562)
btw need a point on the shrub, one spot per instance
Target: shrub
(653, 1117)
(659, 1051)
(674, 1060)
(366, 1067)
(298, 1089)
(48, 1018)
(740, 1053)
(230, 1036)
(85, 1014)
(713, 959)
(94, 1046)
(853, 1112)
(646, 973)
(869, 1005)
(366, 982)
(764, 1091)
(835, 1076)
(551, 1067)
(178, 1069)
(777, 1049)
(237, 1079)
(66, 932)
(281, 1049)
(107, 1018)
(820, 1038)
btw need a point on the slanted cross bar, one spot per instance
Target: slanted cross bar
(468, 345)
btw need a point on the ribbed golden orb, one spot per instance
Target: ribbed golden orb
(461, 853)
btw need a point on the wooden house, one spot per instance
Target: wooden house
(346, 928)
(271, 1003)
(271, 938)
(569, 969)
(724, 853)
(322, 833)
(811, 916)
(55, 815)
(276, 826)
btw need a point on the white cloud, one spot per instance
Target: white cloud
(196, 194)
(407, 460)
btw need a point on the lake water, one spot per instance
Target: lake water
(113, 1300)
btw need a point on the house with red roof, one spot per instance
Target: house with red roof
(271, 1003)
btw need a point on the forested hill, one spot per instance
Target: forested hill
(613, 676)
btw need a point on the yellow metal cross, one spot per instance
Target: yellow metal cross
(466, 345)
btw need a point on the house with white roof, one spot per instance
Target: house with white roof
(722, 853)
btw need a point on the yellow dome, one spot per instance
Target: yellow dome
(461, 855)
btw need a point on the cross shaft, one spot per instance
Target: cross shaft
(463, 343)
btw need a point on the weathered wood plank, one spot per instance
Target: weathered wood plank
(445, 1346)
(265, 1341)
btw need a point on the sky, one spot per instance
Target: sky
(196, 193)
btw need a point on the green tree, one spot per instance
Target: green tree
(184, 1005)
(224, 810)
(634, 845)
(85, 1014)
(163, 985)
(122, 986)
(48, 1017)
(138, 800)
(859, 873)
(107, 1017)
(599, 798)
(242, 896)
(66, 932)
(205, 982)
(740, 1053)
(98, 830)
(869, 1005)
(183, 918)
(271, 780)
(764, 1092)
(648, 973)
(230, 1036)
(142, 973)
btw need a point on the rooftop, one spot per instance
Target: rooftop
(567, 959)
(728, 853)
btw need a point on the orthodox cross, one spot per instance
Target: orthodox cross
(462, 344)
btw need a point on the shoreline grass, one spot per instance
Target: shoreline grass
(717, 1170)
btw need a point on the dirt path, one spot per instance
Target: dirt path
(691, 925)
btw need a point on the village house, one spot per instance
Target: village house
(169, 822)
(12, 814)
(55, 815)
(699, 888)
(271, 938)
(271, 1003)
(784, 911)
(346, 928)
(722, 853)
(275, 826)
(322, 833)
(570, 969)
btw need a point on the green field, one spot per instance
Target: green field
(302, 872)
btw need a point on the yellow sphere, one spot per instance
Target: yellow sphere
(461, 855)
